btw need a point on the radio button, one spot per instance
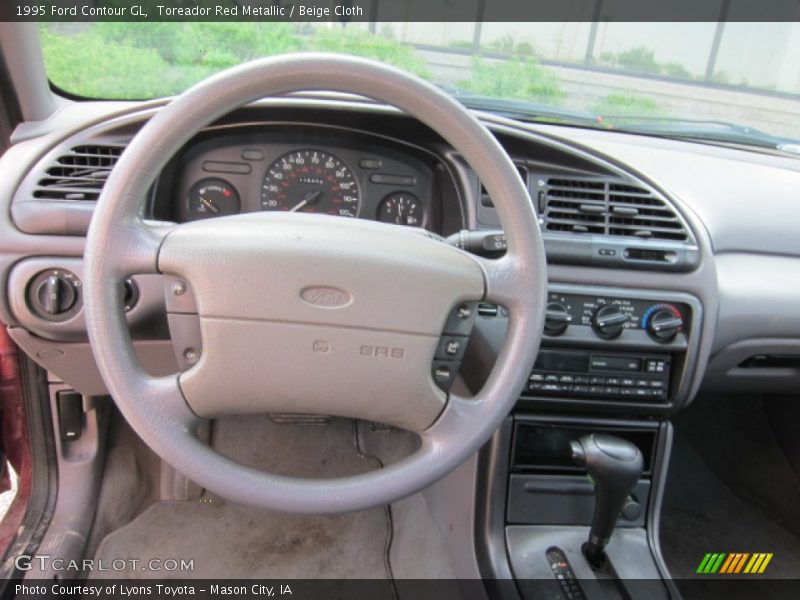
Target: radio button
(596, 390)
(627, 381)
(643, 382)
(535, 387)
(642, 393)
(655, 366)
(582, 380)
(611, 391)
(613, 380)
(597, 380)
(581, 389)
(551, 378)
(566, 379)
(626, 391)
(657, 383)
(538, 377)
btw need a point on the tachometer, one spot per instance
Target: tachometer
(310, 181)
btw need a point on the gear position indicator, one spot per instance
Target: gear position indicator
(562, 571)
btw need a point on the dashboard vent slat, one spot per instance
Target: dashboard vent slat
(79, 174)
(599, 206)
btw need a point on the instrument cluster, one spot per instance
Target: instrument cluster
(305, 171)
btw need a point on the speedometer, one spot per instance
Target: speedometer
(310, 181)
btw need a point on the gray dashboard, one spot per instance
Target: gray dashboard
(739, 256)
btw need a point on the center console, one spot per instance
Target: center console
(613, 364)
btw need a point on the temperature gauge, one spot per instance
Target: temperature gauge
(402, 208)
(213, 197)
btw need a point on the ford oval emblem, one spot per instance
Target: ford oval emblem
(326, 297)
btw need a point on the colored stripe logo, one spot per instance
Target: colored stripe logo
(733, 563)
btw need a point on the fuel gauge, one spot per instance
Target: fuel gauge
(213, 197)
(401, 208)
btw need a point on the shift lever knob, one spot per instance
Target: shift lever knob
(614, 465)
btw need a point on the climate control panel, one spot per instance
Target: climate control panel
(611, 317)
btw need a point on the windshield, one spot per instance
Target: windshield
(727, 82)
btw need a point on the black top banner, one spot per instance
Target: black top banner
(401, 10)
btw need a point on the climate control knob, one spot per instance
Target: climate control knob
(608, 321)
(664, 325)
(557, 319)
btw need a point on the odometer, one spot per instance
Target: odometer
(310, 181)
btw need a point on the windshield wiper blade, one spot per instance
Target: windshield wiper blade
(522, 110)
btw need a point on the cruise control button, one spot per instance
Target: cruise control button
(451, 347)
(461, 319)
(444, 373)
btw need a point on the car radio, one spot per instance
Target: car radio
(601, 374)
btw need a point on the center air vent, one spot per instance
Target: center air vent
(602, 207)
(78, 175)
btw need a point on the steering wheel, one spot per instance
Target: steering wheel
(312, 314)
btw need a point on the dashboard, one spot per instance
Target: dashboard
(643, 267)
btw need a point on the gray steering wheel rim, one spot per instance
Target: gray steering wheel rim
(120, 243)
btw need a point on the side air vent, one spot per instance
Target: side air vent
(79, 174)
(603, 207)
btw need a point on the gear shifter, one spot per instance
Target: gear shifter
(614, 466)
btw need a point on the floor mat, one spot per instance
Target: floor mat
(701, 514)
(227, 540)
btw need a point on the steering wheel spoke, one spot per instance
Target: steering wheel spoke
(136, 244)
(501, 277)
